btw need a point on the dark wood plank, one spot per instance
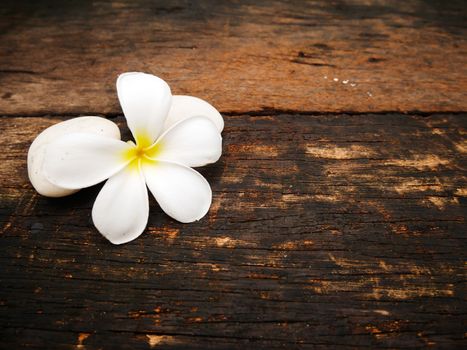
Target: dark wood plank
(63, 57)
(326, 231)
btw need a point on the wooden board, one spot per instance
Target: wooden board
(326, 231)
(339, 204)
(314, 56)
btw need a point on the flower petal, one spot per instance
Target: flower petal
(120, 212)
(181, 192)
(81, 160)
(192, 142)
(36, 153)
(184, 107)
(145, 101)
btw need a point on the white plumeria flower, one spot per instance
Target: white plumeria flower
(172, 134)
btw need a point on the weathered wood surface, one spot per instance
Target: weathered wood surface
(63, 57)
(326, 231)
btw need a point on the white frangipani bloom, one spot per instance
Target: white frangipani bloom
(172, 134)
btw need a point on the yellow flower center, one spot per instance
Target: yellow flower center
(143, 151)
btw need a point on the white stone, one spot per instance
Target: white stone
(94, 125)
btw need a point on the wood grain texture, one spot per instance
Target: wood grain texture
(326, 231)
(335, 224)
(318, 56)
